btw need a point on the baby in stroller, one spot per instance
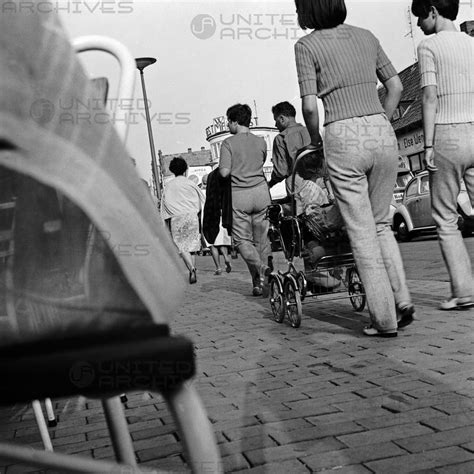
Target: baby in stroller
(323, 228)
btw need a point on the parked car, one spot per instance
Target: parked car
(403, 177)
(413, 214)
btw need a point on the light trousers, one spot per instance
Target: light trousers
(362, 160)
(250, 228)
(454, 158)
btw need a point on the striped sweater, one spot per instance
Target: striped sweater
(446, 61)
(341, 65)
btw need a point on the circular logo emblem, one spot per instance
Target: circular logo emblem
(203, 26)
(82, 374)
(42, 111)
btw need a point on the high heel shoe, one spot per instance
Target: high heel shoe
(192, 276)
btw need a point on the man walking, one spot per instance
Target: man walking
(242, 157)
(286, 144)
(446, 65)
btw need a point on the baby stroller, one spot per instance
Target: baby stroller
(329, 268)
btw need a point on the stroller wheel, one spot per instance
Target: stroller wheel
(301, 281)
(356, 288)
(277, 301)
(293, 309)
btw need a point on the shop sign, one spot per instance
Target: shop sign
(219, 124)
(410, 143)
(195, 173)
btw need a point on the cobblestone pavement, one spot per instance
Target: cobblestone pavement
(315, 399)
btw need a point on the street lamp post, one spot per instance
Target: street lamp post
(142, 63)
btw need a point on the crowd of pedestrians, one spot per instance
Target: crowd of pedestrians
(342, 64)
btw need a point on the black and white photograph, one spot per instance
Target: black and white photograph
(237, 236)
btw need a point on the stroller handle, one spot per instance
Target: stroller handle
(299, 156)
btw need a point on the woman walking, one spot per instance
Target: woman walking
(446, 62)
(181, 205)
(222, 242)
(340, 64)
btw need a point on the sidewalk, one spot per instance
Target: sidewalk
(315, 399)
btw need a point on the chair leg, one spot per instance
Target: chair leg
(50, 412)
(118, 430)
(195, 429)
(43, 429)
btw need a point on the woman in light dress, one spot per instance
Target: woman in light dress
(181, 207)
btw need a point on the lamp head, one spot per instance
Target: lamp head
(142, 63)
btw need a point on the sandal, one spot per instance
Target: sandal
(456, 303)
(371, 331)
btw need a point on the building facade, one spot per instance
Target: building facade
(199, 163)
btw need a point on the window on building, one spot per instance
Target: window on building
(416, 161)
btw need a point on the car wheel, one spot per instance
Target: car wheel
(403, 233)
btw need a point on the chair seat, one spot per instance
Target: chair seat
(139, 358)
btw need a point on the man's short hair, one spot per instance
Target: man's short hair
(320, 14)
(240, 113)
(178, 166)
(284, 108)
(446, 8)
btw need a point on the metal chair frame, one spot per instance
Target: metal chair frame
(186, 408)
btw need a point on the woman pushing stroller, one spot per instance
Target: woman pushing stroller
(341, 64)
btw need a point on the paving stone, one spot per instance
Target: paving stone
(173, 463)
(442, 439)
(448, 422)
(291, 451)
(152, 431)
(425, 460)
(84, 445)
(285, 467)
(468, 446)
(87, 429)
(279, 414)
(398, 432)
(316, 432)
(160, 451)
(268, 428)
(73, 439)
(153, 442)
(355, 469)
(391, 419)
(351, 456)
(349, 415)
(462, 468)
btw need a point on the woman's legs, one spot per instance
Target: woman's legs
(225, 255)
(215, 257)
(362, 170)
(455, 160)
(250, 228)
(188, 259)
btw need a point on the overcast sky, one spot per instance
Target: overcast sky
(214, 54)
